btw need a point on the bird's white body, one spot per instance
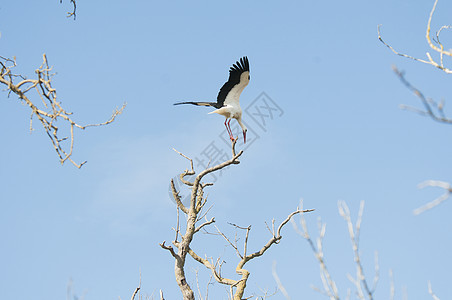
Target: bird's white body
(231, 108)
(229, 111)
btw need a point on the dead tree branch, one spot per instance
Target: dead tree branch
(436, 46)
(433, 109)
(430, 291)
(434, 183)
(362, 286)
(137, 289)
(278, 282)
(74, 8)
(329, 285)
(51, 110)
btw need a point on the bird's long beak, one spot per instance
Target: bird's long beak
(244, 137)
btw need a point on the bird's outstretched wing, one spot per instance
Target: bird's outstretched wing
(214, 104)
(239, 77)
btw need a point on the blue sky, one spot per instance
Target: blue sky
(341, 136)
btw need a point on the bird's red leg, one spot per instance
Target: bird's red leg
(230, 131)
(227, 128)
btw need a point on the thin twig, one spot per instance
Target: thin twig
(429, 105)
(329, 285)
(430, 291)
(434, 183)
(278, 282)
(360, 281)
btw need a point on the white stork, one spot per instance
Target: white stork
(227, 103)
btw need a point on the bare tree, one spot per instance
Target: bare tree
(431, 108)
(197, 221)
(49, 110)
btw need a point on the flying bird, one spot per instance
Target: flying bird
(227, 103)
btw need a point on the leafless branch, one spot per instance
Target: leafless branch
(71, 13)
(434, 183)
(278, 282)
(200, 217)
(430, 291)
(265, 294)
(52, 111)
(216, 273)
(432, 109)
(391, 289)
(137, 290)
(245, 246)
(360, 281)
(377, 273)
(177, 226)
(134, 293)
(233, 245)
(197, 284)
(329, 285)
(439, 48)
(208, 222)
(169, 248)
(177, 198)
(186, 172)
(70, 292)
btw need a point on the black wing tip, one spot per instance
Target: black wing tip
(241, 65)
(198, 103)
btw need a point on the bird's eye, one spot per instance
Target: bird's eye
(248, 77)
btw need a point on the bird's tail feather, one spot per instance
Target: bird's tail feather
(198, 103)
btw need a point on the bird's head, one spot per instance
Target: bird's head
(245, 78)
